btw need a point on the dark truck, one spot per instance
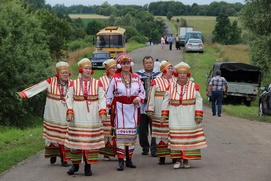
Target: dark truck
(243, 81)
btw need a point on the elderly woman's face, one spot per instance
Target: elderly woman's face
(86, 71)
(182, 75)
(112, 70)
(125, 65)
(169, 70)
(64, 75)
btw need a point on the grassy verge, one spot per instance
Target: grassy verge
(16, 145)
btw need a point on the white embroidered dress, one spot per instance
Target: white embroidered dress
(55, 124)
(126, 113)
(86, 131)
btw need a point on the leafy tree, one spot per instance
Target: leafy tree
(25, 58)
(255, 17)
(169, 15)
(94, 26)
(58, 30)
(235, 37)
(222, 31)
(39, 4)
(111, 20)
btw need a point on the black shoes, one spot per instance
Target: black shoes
(174, 160)
(153, 154)
(162, 160)
(73, 169)
(144, 153)
(87, 170)
(121, 164)
(64, 164)
(130, 164)
(52, 160)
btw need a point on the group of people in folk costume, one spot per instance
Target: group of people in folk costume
(87, 117)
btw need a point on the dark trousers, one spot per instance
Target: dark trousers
(170, 45)
(217, 98)
(145, 123)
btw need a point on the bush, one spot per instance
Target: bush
(25, 60)
(77, 44)
(139, 39)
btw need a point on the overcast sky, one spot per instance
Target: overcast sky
(125, 2)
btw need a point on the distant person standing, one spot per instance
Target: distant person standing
(170, 41)
(163, 42)
(157, 65)
(216, 86)
(177, 42)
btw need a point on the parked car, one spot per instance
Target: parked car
(194, 45)
(265, 102)
(98, 58)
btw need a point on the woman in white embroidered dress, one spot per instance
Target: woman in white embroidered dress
(86, 112)
(154, 106)
(110, 140)
(55, 124)
(124, 96)
(183, 106)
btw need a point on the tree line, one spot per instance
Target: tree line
(160, 8)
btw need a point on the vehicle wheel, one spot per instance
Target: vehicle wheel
(260, 108)
(247, 103)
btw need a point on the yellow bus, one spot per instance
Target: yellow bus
(111, 39)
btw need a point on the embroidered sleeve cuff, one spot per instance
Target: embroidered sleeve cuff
(199, 114)
(102, 112)
(22, 95)
(165, 114)
(70, 111)
(149, 112)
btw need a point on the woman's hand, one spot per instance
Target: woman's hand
(136, 101)
(198, 120)
(69, 118)
(150, 116)
(162, 120)
(103, 118)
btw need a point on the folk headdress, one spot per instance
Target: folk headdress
(122, 57)
(163, 65)
(109, 63)
(85, 62)
(61, 66)
(183, 67)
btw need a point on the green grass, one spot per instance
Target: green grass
(16, 145)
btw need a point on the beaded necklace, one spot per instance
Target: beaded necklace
(85, 89)
(127, 83)
(183, 90)
(63, 88)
